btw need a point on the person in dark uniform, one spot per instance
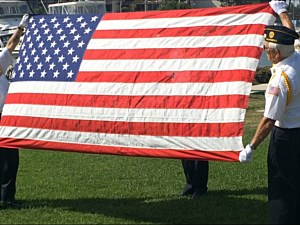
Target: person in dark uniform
(282, 119)
(9, 158)
(196, 176)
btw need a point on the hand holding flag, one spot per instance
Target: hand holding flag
(278, 6)
(246, 155)
(24, 22)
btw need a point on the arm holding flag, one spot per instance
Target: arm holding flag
(280, 8)
(15, 38)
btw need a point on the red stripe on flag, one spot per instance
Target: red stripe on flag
(119, 127)
(243, 9)
(112, 150)
(167, 76)
(180, 53)
(204, 31)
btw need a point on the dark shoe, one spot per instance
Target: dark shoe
(197, 195)
(186, 191)
(12, 204)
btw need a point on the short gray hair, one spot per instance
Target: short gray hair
(297, 45)
(285, 50)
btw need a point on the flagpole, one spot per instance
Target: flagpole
(289, 6)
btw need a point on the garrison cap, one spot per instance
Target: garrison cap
(280, 35)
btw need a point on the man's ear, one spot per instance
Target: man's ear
(278, 54)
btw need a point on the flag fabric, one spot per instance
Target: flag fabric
(169, 84)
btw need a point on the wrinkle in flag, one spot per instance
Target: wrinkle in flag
(169, 84)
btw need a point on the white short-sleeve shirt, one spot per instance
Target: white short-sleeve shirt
(277, 107)
(6, 59)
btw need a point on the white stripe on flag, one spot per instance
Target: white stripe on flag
(126, 114)
(210, 64)
(177, 42)
(132, 89)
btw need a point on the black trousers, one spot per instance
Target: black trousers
(284, 176)
(9, 164)
(196, 174)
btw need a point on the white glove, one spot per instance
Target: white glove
(278, 6)
(24, 21)
(246, 154)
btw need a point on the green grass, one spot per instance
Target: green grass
(77, 188)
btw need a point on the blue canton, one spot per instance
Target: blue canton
(53, 47)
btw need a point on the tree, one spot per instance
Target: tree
(240, 2)
(174, 4)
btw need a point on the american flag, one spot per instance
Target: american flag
(169, 84)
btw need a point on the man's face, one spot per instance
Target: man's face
(272, 53)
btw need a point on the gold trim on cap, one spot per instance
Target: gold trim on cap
(281, 31)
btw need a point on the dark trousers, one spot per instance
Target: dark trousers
(284, 176)
(9, 164)
(196, 174)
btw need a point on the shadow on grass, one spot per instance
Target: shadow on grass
(216, 207)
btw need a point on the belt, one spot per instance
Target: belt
(288, 129)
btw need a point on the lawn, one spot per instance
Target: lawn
(78, 188)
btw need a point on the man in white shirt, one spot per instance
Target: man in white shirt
(282, 119)
(9, 158)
